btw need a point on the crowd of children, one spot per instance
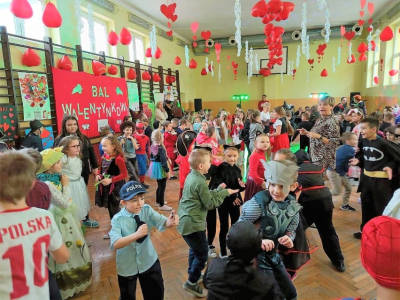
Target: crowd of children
(209, 153)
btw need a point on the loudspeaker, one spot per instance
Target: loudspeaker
(198, 105)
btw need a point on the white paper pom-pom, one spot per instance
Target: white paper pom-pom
(238, 24)
(187, 58)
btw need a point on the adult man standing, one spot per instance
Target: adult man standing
(33, 139)
(341, 107)
(260, 104)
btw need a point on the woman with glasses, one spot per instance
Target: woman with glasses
(70, 126)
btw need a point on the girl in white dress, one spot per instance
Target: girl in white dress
(72, 167)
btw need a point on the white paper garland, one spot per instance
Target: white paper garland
(153, 40)
(78, 12)
(377, 39)
(339, 55)
(304, 28)
(257, 63)
(334, 64)
(187, 58)
(246, 57)
(298, 56)
(370, 38)
(207, 64)
(91, 26)
(308, 47)
(250, 65)
(327, 26)
(321, 4)
(238, 24)
(212, 68)
(350, 53)
(219, 73)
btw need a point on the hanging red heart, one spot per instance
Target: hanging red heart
(362, 3)
(146, 75)
(148, 52)
(228, 57)
(351, 60)
(269, 40)
(262, 70)
(158, 53)
(274, 7)
(310, 61)
(278, 46)
(21, 9)
(125, 36)
(194, 37)
(269, 29)
(112, 70)
(288, 7)
(113, 38)
(324, 73)
(235, 72)
(279, 53)
(174, 18)
(271, 47)
(169, 10)
(168, 79)
(370, 28)
(267, 72)
(393, 72)
(387, 34)
(268, 18)
(194, 26)
(169, 33)
(279, 61)
(65, 63)
(370, 21)
(362, 57)
(173, 79)
(210, 69)
(193, 64)
(235, 65)
(259, 10)
(206, 50)
(204, 72)
(195, 44)
(349, 35)
(361, 22)
(361, 13)
(98, 68)
(51, 16)
(156, 77)
(373, 45)
(31, 58)
(278, 31)
(206, 35)
(169, 25)
(177, 60)
(342, 30)
(376, 80)
(362, 48)
(371, 8)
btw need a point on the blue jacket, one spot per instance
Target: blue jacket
(343, 155)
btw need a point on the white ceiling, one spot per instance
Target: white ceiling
(218, 16)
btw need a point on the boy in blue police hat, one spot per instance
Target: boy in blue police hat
(136, 256)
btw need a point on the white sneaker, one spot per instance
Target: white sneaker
(211, 252)
(158, 204)
(165, 207)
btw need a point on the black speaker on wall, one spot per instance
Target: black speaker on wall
(198, 105)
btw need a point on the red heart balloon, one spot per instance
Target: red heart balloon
(267, 72)
(204, 72)
(269, 40)
(373, 45)
(235, 65)
(21, 9)
(168, 79)
(279, 61)
(310, 61)
(158, 53)
(156, 77)
(174, 18)
(362, 48)
(361, 13)
(132, 74)
(361, 22)
(113, 38)
(279, 53)
(262, 70)
(279, 46)
(148, 52)
(387, 34)
(206, 35)
(193, 64)
(173, 79)
(268, 29)
(278, 31)
(288, 7)
(112, 70)
(349, 35)
(363, 57)
(146, 75)
(169, 33)
(195, 44)
(393, 72)
(31, 58)
(369, 29)
(268, 18)
(322, 47)
(177, 60)
(376, 80)
(259, 10)
(351, 60)
(98, 68)
(271, 47)
(169, 10)
(51, 17)
(65, 63)
(125, 36)
(274, 6)
(206, 50)
(324, 73)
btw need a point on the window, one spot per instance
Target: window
(136, 49)
(396, 56)
(32, 28)
(100, 34)
(376, 63)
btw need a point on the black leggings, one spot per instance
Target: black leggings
(224, 211)
(161, 185)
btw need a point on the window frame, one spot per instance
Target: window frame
(132, 49)
(396, 45)
(84, 15)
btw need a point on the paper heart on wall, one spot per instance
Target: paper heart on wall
(169, 33)
(113, 38)
(112, 70)
(51, 16)
(131, 74)
(65, 63)
(387, 34)
(21, 9)
(177, 60)
(259, 10)
(349, 35)
(98, 68)
(146, 75)
(156, 77)
(125, 36)
(31, 58)
(206, 35)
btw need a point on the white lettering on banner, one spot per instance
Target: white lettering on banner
(118, 109)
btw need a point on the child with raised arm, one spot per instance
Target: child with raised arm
(130, 236)
(18, 271)
(196, 200)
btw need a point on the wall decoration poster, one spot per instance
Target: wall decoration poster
(90, 98)
(47, 136)
(168, 93)
(35, 96)
(8, 122)
(133, 96)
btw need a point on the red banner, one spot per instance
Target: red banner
(95, 100)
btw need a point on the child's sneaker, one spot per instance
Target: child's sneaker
(173, 177)
(195, 289)
(211, 252)
(357, 235)
(347, 208)
(165, 207)
(146, 186)
(91, 223)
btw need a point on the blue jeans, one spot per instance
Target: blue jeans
(198, 254)
(142, 163)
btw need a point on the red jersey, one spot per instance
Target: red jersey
(144, 143)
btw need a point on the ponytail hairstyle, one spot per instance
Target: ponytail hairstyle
(221, 131)
(253, 117)
(280, 111)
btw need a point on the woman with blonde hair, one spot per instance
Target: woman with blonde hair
(161, 114)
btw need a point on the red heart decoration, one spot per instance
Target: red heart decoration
(278, 47)
(393, 72)
(322, 47)
(194, 26)
(4, 117)
(235, 72)
(193, 64)
(65, 63)
(11, 115)
(371, 8)
(279, 53)
(113, 38)
(156, 77)
(194, 44)
(125, 36)
(259, 10)
(349, 35)
(268, 29)
(169, 33)
(370, 21)
(268, 18)
(158, 53)
(21, 9)
(206, 35)
(174, 18)
(362, 57)
(361, 22)
(168, 79)
(146, 75)
(173, 79)
(168, 11)
(16, 136)
(370, 29)
(169, 25)
(228, 57)
(51, 16)
(279, 61)
(351, 60)
(112, 70)
(6, 126)
(362, 3)
(11, 109)
(235, 65)
(362, 48)
(288, 7)
(324, 73)
(98, 68)
(132, 74)
(204, 72)
(361, 13)
(31, 58)
(148, 52)
(177, 60)
(387, 34)
(373, 44)
(206, 50)
(12, 121)
(217, 47)
(311, 61)
(13, 128)
(194, 37)
(262, 70)
(9, 134)
(376, 80)
(271, 47)
(274, 6)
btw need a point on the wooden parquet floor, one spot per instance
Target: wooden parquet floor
(317, 280)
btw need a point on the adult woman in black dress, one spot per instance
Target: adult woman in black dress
(70, 126)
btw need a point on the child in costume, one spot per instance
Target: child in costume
(143, 152)
(111, 176)
(354, 171)
(281, 138)
(72, 167)
(255, 180)
(130, 235)
(256, 128)
(78, 269)
(236, 130)
(170, 137)
(159, 168)
(278, 215)
(209, 139)
(230, 174)
(129, 145)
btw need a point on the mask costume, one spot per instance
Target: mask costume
(143, 151)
